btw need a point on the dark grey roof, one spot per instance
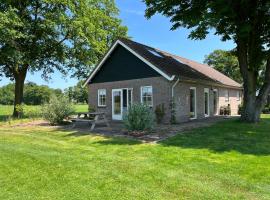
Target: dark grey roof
(176, 65)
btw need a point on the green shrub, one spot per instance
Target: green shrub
(32, 112)
(139, 118)
(19, 108)
(173, 112)
(240, 109)
(266, 110)
(57, 110)
(225, 110)
(160, 112)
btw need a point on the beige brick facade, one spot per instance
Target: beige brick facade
(162, 93)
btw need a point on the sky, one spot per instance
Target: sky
(154, 32)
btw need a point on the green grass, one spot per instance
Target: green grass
(229, 160)
(30, 112)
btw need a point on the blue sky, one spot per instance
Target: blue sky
(154, 32)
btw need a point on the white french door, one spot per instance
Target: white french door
(117, 104)
(121, 100)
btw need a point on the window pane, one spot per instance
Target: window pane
(226, 95)
(117, 102)
(130, 97)
(102, 97)
(147, 95)
(215, 102)
(192, 103)
(206, 102)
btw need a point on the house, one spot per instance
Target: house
(132, 72)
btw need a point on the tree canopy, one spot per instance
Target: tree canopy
(77, 93)
(49, 35)
(225, 62)
(33, 94)
(246, 22)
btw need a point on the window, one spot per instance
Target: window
(102, 97)
(206, 102)
(130, 96)
(192, 99)
(147, 95)
(227, 96)
(155, 53)
(238, 96)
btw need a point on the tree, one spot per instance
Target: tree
(33, 94)
(80, 93)
(36, 95)
(246, 22)
(225, 62)
(49, 35)
(77, 93)
(7, 94)
(69, 93)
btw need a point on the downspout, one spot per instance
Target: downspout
(172, 104)
(173, 86)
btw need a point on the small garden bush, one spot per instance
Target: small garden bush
(57, 110)
(139, 118)
(240, 109)
(266, 110)
(225, 110)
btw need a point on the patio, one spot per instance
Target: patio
(160, 132)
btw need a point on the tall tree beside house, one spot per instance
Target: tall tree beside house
(49, 35)
(245, 22)
(80, 93)
(7, 94)
(77, 93)
(225, 62)
(33, 94)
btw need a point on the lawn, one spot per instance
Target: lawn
(229, 160)
(30, 112)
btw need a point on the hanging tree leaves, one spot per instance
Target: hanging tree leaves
(49, 35)
(246, 22)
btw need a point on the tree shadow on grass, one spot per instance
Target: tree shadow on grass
(227, 136)
(111, 138)
(118, 141)
(4, 118)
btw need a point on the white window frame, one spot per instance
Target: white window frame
(206, 90)
(216, 90)
(195, 106)
(227, 92)
(99, 91)
(142, 94)
(131, 100)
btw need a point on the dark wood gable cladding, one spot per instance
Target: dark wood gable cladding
(123, 65)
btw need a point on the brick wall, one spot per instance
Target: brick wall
(182, 100)
(162, 94)
(233, 100)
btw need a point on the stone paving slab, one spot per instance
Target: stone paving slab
(160, 132)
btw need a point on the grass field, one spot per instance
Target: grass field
(229, 160)
(30, 112)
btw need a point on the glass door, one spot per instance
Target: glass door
(127, 99)
(117, 104)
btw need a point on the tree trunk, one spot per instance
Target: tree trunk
(19, 86)
(249, 113)
(253, 103)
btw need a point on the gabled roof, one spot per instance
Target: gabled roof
(169, 65)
